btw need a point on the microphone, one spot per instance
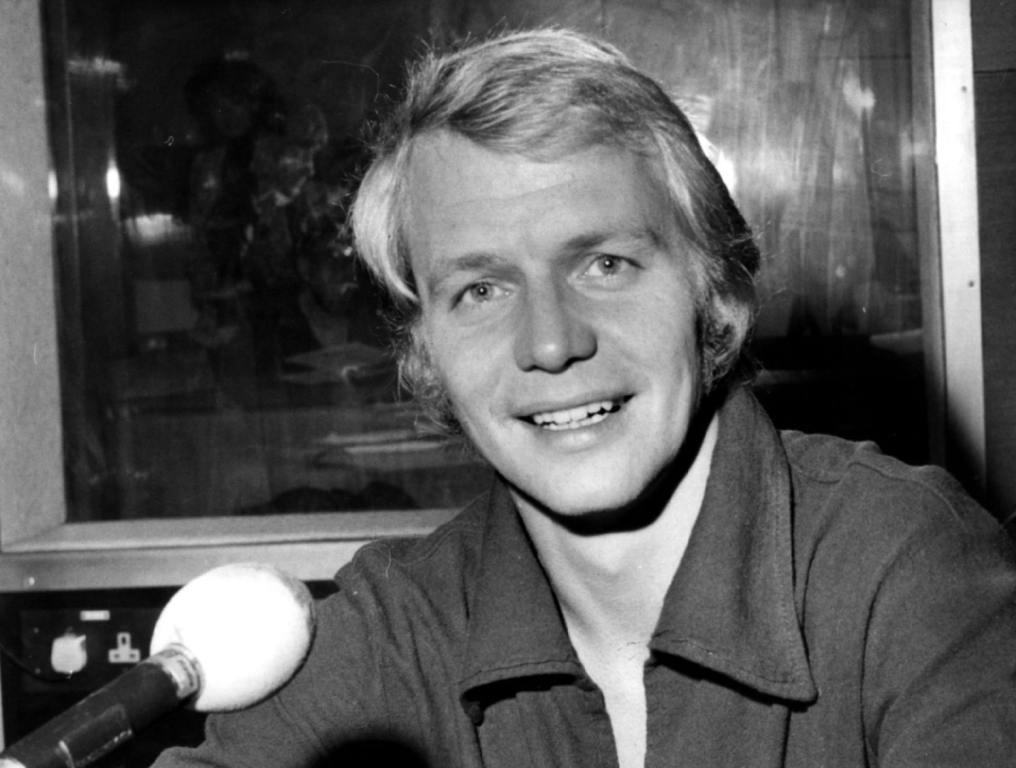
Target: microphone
(224, 641)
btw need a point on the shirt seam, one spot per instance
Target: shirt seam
(956, 509)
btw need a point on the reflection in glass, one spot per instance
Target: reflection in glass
(222, 353)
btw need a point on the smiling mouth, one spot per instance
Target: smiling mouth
(578, 417)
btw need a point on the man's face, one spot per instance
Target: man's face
(557, 311)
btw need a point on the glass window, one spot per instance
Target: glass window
(222, 351)
(223, 354)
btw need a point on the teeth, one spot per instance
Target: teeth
(573, 418)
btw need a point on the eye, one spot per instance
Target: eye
(480, 293)
(607, 265)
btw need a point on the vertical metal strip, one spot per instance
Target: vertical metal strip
(956, 161)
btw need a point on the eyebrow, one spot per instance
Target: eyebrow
(640, 237)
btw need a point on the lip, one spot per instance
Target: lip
(577, 437)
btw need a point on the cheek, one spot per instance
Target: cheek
(673, 351)
(665, 321)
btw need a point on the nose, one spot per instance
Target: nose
(552, 334)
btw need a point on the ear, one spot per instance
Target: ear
(724, 330)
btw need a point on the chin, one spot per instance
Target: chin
(596, 495)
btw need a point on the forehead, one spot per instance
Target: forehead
(460, 195)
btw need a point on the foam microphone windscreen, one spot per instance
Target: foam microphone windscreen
(247, 625)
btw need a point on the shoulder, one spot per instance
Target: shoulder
(397, 582)
(906, 593)
(836, 480)
(453, 545)
(866, 524)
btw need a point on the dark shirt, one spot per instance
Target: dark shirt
(833, 608)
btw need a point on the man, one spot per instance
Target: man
(659, 577)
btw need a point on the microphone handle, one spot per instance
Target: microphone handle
(111, 715)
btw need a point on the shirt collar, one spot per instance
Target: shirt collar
(730, 607)
(515, 630)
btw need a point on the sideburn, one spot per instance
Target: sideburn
(420, 379)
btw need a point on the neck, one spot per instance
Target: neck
(611, 584)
